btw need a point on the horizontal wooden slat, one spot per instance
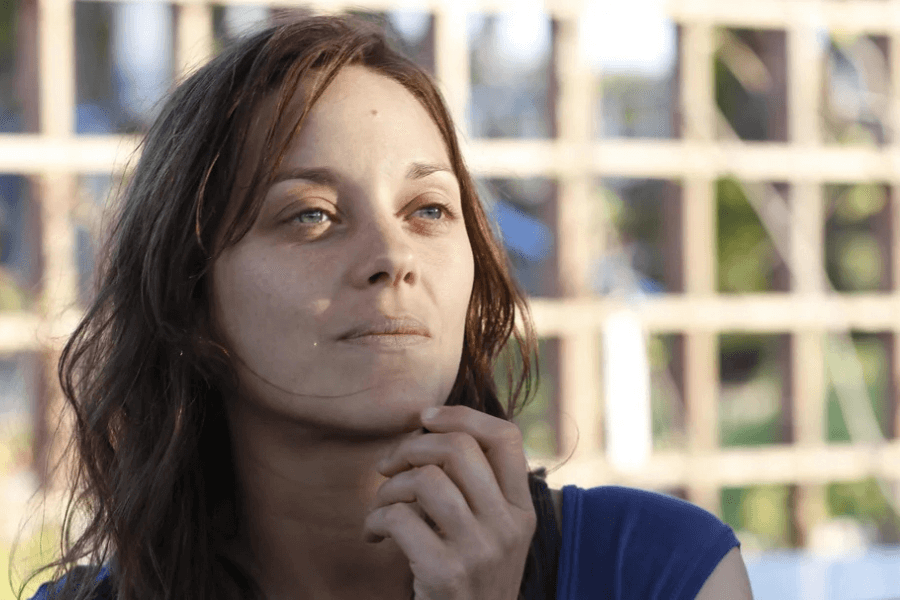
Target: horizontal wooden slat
(873, 16)
(34, 154)
(775, 464)
(558, 8)
(674, 159)
(27, 331)
(763, 313)
(665, 159)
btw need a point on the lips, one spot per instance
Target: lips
(384, 325)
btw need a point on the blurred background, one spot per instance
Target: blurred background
(700, 197)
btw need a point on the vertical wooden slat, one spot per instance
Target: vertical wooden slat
(579, 353)
(56, 67)
(893, 110)
(893, 286)
(807, 370)
(892, 338)
(893, 240)
(697, 86)
(193, 38)
(451, 62)
(56, 191)
(573, 124)
(699, 235)
(804, 84)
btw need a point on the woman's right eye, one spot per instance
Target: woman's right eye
(310, 216)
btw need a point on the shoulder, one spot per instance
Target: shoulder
(644, 512)
(72, 582)
(647, 544)
(729, 580)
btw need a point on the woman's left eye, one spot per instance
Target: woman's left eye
(436, 211)
(314, 213)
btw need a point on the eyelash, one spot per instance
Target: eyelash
(447, 212)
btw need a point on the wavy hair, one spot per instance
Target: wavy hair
(143, 372)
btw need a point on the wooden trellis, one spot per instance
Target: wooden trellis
(54, 156)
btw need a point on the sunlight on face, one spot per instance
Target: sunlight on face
(364, 220)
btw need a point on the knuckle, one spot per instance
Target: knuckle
(512, 432)
(461, 442)
(429, 474)
(486, 551)
(394, 514)
(454, 574)
(509, 533)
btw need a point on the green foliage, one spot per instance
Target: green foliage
(754, 433)
(8, 20)
(854, 258)
(13, 297)
(638, 216)
(865, 502)
(762, 510)
(858, 203)
(728, 89)
(31, 553)
(873, 359)
(534, 417)
(665, 413)
(745, 254)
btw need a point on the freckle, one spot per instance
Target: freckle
(374, 113)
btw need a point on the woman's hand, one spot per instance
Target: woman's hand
(470, 478)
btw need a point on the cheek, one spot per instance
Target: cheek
(261, 306)
(457, 276)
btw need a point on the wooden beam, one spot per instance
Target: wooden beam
(738, 467)
(451, 64)
(858, 16)
(651, 159)
(580, 356)
(193, 38)
(760, 313)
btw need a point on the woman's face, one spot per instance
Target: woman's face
(351, 231)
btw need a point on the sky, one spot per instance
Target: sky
(634, 36)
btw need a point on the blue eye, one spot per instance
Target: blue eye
(314, 211)
(437, 210)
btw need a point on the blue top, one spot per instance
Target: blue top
(622, 543)
(616, 543)
(104, 591)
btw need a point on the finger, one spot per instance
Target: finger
(462, 461)
(501, 443)
(441, 503)
(416, 539)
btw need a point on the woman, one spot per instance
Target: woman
(299, 268)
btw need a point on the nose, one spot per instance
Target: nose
(385, 256)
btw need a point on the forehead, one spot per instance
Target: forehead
(364, 117)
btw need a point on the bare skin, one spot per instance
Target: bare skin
(315, 414)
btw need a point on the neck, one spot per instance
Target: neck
(304, 497)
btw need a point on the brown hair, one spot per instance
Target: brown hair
(143, 372)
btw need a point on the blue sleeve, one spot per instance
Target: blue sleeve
(631, 544)
(52, 590)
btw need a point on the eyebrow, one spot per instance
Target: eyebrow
(327, 177)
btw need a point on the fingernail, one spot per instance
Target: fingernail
(429, 413)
